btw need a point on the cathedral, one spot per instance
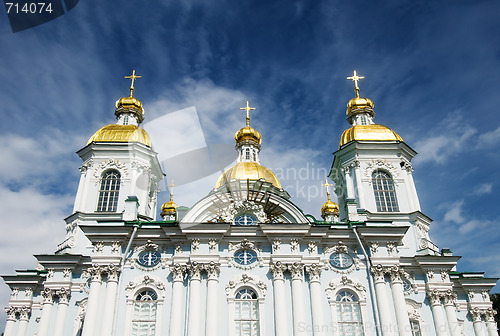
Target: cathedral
(245, 260)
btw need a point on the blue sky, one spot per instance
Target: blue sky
(432, 69)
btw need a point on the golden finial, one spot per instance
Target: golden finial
(327, 185)
(355, 78)
(247, 108)
(132, 77)
(171, 186)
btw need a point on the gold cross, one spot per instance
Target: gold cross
(172, 185)
(132, 77)
(247, 108)
(355, 78)
(327, 185)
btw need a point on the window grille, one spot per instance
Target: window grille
(144, 319)
(385, 194)
(108, 192)
(348, 314)
(246, 313)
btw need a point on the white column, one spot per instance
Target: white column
(477, 322)
(24, 317)
(386, 326)
(318, 320)
(437, 313)
(159, 318)
(361, 194)
(414, 190)
(451, 315)
(280, 308)
(108, 316)
(491, 325)
(62, 309)
(194, 314)
(177, 311)
(92, 310)
(298, 303)
(48, 302)
(348, 179)
(11, 321)
(398, 297)
(213, 270)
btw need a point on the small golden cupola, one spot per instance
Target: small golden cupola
(129, 114)
(360, 115)
(169, 209)
(329, 210)
(248, 167)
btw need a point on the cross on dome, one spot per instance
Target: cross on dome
(247, 109)
(132, 77)
(171, 186)
(327, 185)
(355, 78)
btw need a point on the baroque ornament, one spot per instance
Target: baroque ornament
(345, 282)
(241, 207)
(380, 164)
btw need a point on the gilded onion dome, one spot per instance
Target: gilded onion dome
(121, 133)
(360, 115)
(329, 208)
(248, 171)
(169, 208)
(248, 142)
(373, 132)
(130, 114)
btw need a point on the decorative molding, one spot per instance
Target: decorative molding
(145, 281)
(276, 245)
(246, 280)
(195, 245)
(111, 163)
(376, 164)
(314, 272)
(64, 295)
(294, 245)
(67, 274)
(345, 282)
(378, 273)
(15, 293)
(277, 269)
(374, 248)
(434, 297)
(242, 207)
(312, 247)
(486, 295)
(116, 247)
(113, 272)
(297, 271)
(392, 248)
(445, 275)
(98, 247)
(178, 272)
(50, 273)
(82, 307)
(450, 298)
(213, 245)
(213, 270)
(48, 296)
(194, 269)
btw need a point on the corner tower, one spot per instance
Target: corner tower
(371, 168)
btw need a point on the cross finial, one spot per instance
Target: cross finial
(327, 185)
(132, 77)
(171, 186)
(247, 108)
(355, 78)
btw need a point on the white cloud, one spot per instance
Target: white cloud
(490, 138)
(454, 213)
(448, 139)
(485, 188)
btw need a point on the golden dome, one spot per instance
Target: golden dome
(168, 208)
(359, 103)
(250, 171)
(248, 134)
(121, 133)
(329, 207)
(373, 132)
(131, 104)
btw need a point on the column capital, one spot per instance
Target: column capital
(476, 314)
(178, 272)
(213, 270)
(64, 295)
(397, 274)
(277, 269)
(113, 272)
(95, 273)
(314, 272)
(434, 296)
(449, 297)
(378, 272)
(297, 270)
(11, 313)
(24, 313)
(48, 296)
(194, 270)
(490, 314)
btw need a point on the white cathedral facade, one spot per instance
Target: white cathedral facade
(245, 260)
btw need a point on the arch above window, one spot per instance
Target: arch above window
(384, 191)
(109, 191)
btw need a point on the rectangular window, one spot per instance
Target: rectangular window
(144, 320)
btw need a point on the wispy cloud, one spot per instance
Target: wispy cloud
(485, 188)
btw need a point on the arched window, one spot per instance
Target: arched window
(144, 318)
(385, 194)
(108, 193)
(125, 120)
(348, 314)
(246, 318)
(247, 154)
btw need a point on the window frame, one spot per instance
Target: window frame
(138, 321)
(384, 191)
(107, 198)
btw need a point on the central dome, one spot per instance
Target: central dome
(374, 132)
(121, 133)
(248, 170)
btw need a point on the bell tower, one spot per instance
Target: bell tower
(372, 168)
(118, 162)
